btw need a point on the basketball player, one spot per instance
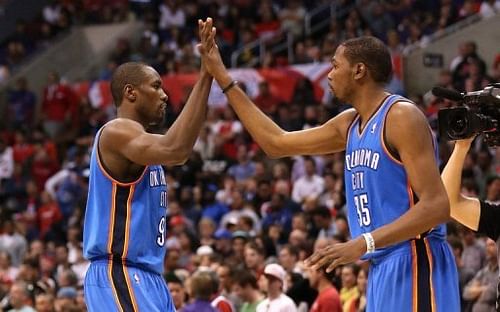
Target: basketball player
(125, 228)
(396, 200)
(476, 214)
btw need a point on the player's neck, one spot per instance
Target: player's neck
(129, 113)
(368, 99)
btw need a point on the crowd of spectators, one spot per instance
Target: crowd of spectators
(233, 213)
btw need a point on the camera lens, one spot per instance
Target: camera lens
(457, 124)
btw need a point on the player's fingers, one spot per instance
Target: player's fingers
(313, 258)
(327, 259)
(200, 27)
(208, 28)
(211, 38)
(333, 265)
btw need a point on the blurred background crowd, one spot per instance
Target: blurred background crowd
(233, 212)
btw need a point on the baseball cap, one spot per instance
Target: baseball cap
(240, 234)
(204, 250)
(67, 292)
(177, 220)
(223, 234)
(277, 271)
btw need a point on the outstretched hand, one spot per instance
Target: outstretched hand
(211, 59)
(332, 256)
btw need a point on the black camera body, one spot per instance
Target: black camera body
(477, 112)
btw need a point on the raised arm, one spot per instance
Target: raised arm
(465, 210)
(328, 138)
(127, 138)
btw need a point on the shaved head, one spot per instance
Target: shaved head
(132, 73)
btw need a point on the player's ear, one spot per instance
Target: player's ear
(360, 70)
(130, 93)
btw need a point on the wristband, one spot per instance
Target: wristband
(232, 84)
(370, 243)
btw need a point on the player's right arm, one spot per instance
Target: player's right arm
(465, 210)
(126, 138)
(276, 143)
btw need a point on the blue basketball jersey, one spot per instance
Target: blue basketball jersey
(377, 186)
(125, 222)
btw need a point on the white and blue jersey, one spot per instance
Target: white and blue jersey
(407, 276)
(124, 238)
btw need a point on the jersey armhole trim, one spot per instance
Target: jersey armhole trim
(107, 174)
(386, 149)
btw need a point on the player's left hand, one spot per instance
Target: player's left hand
(337, 254)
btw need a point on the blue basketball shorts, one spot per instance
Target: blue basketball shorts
(421, 276)
(111, 286)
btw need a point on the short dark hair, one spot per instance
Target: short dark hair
(373, 53)
(322, 211)
(173, 278)
(244, 278)
(128, 73)
(294, 251)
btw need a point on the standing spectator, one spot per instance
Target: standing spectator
(288, 258)
(473, 256)
(246, 288)
(245, 168)
(464, 274)
(266, 100)
(292, 17)
(276, 300)
(177, 291)
(359, 304)
(349, 291)
(309, 185)
(223, 282)
(66, 299)
(171, 15)
(482, 289)
(49, 216)
(6, 161)
(21, 104)
(323, 221)
(44, 303)
(328, 299)
(254, 258)
(20, 298)
(7, 271)
(12, 242)
(58, 106)
(202, 290)
(489, 8)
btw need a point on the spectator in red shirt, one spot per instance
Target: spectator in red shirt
(328, 299)
(49, 214)
(22, 149)
(42, 167)
(58, 106)
(266, 100)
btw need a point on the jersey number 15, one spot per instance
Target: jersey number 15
(361, 203)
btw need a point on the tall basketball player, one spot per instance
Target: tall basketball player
(125, 228)
(396, 200)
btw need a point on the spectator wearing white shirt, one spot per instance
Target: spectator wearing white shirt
(6, 161)
(309, 185)
(489, 8)
(276, 300)
(171, 15)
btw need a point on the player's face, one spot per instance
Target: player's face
(340, 78)
(152, 99)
